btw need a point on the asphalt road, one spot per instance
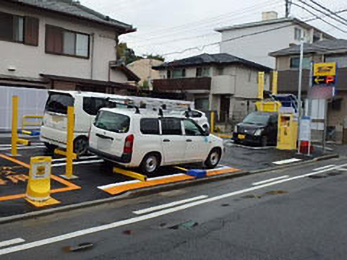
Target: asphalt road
(297, 213)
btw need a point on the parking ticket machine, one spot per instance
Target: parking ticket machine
(287, 131)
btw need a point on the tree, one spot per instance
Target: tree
(127, 54)
(155, 57)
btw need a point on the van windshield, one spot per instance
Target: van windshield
(257, 119)
(112, 122)
(58, 103)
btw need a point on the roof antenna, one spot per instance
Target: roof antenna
(137, 110)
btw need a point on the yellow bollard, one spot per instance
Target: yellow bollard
(212, 121)
(14, 137)
(261, 83)
(39, 183)
(69, 144)
(275, 82)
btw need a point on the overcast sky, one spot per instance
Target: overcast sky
(166, 26)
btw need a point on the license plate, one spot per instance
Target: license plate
(241, 136)
(103, 144)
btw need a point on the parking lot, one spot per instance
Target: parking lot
(97, 180)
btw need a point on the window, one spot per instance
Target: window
(149, 126)
(191, 128)
(178, 73)
(193, 114)
(112, 122)
(295, 63)
(341, 60)
(61, 41)
(20, 29)
(58, 103)
(171, 126)
(220, 71)
(297, 34)
(92, 105)
(202, 104)
(203, 72)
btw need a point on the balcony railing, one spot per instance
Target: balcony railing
(182, 84)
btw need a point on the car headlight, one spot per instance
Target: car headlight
(258, 132)
(235, 129)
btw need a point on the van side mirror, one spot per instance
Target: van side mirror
(206, 131)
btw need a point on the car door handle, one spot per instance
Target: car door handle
(104, 136)
(189, 140)
(166, 140)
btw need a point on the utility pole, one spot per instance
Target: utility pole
(287, 7)
(299, 90)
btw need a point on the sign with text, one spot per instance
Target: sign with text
(324, 76)
(324, 69)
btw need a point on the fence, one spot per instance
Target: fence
(31, 102)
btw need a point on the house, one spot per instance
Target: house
(253, 41)
(143, 69)
(219, 82)
(61, 44)
(287, 64)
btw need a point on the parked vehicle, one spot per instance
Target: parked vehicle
(144, 139)
(86, 104)
(259, 128)
(198, 116)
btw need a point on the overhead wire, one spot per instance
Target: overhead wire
(328, 10)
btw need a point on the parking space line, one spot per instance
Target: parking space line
(324, 167)
(23, 148)
(287, 161)
(11, 242)
(270, 180)
(182, 169)
(79, 158)
(169, 205)
(69, 185)
(76, 163)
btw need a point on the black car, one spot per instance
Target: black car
(258, 128)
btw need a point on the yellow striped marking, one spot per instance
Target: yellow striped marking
(70, 186)
(130, 174)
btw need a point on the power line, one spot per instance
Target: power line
(327, 9)
(242, 36)
(312, 13)
(320, 11)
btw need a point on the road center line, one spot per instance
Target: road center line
(11, 242)
(270, 180)
(113, 225)
(324, 167)
(169, 205)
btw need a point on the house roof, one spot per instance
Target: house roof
(270, 22)
(131, 76)
(211, 59)
(75, 9)
(323, 47)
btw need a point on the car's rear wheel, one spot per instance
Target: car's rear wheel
(264, 141)
(150, 163)
(80, 145)
(213, 158)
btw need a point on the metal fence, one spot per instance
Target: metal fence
(31, 102)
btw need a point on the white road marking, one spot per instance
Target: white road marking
(136, 181)
(270, 180)
(79, 158)
(121, 223)
(168, 205)
(324, 167)
(19, 145)
(287, 161)
(22, 148)
(11, 242)
(76, 163)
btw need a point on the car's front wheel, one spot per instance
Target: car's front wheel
(150, 163)
(213, 158)
(80, 145)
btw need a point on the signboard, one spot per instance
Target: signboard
(324, 74)
(305, 129)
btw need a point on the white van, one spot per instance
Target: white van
(137, 138)
(86, 104)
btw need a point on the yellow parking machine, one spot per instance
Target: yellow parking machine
(287, 131)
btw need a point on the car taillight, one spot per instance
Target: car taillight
(128, 145)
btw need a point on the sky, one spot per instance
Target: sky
(180, 28)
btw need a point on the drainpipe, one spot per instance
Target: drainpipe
(92, 56)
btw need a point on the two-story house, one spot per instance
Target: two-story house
(60, 44)
(253, 41)
(218, 82)
(287, 64)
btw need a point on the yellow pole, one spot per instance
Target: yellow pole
(261, 83)
(14, 137)
(212, 122)
(69, 143)
(275, 82)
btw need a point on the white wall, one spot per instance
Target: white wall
(257, 47)
(30, 61)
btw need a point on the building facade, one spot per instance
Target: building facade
(60, 44)
(253, 41)
(215, 82)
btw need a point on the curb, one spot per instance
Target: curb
(151, 190)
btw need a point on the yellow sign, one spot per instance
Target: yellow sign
(324, 69)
